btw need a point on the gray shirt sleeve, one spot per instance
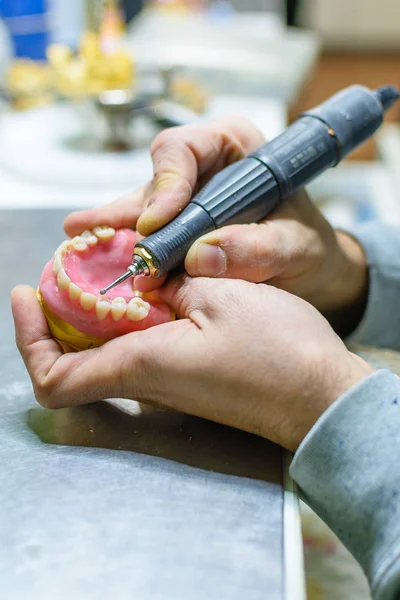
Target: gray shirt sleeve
(380, 325)
(348, 471)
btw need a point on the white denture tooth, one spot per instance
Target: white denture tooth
(141, 303)
(143, 312)
(104, 233)
(87, 300)
(132, 312)
(103, 307)
(79, 244)
(63, 248)
(74, 291)
(57, 263)
(118, 308)
(63, 280)
(137, 310)
(89, 237)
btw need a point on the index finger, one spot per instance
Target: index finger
(123, 212)
(185, 158)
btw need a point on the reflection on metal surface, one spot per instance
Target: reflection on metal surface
(181, 438)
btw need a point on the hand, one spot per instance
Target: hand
(246, 355)
(295, 249)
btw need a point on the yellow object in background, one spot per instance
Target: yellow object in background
(180, 6)
(29, 83)
(112, 28)
(92, 70)
(87, 73)
(189, 93)
(100, 64)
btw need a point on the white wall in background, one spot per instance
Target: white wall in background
(250, 5)
(5, 49)
(66, 20)
(354, 24)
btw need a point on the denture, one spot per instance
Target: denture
(69, 290)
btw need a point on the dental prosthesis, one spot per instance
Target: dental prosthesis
(69, 290)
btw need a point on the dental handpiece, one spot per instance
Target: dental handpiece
(250, 189)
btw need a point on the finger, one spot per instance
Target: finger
(186, 157)
(259, 252)
(62, 379)
(58, 379)
(34, 341)
(251, 252)
(130, 366)
(127, 367)
(149, 284)
(255, 252)
(123, 212)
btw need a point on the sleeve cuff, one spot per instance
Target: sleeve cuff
(380, 325)
(347, 469)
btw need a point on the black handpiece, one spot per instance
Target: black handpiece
(250, 189)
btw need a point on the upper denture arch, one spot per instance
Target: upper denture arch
(71, 283)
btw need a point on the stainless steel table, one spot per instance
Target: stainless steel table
(102, 502)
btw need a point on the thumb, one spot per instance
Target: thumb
(122, 367)
(255, 252)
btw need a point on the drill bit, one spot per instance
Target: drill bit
(134, 269)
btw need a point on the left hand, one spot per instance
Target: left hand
(242, 354)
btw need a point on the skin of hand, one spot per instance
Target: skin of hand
(294, 249)
(242, 354)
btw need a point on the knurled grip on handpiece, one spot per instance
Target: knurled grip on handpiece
(252, 188)
(223, 201)
(168, 246)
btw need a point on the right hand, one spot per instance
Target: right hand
(246, 355)
(294, 249)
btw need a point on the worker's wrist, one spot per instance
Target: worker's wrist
(347, 292)
(349, 284)
(335, 380)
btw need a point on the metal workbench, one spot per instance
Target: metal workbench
(101, 502)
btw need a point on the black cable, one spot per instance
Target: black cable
(131, 8)
(291, 12)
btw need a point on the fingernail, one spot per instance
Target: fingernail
(211, 260)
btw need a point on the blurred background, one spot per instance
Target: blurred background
(85, 85)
